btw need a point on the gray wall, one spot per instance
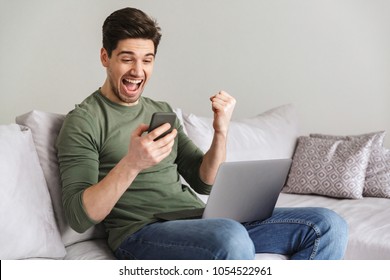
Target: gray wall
(330, 58)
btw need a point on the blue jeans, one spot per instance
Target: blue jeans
(301, 233)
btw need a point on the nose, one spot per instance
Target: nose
(136, 69)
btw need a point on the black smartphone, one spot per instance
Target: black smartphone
(159, 118)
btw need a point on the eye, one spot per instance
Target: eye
(126, 60)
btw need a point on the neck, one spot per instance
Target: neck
(107, 91)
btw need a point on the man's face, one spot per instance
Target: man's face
(128, 70)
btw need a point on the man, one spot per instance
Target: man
(113, 172)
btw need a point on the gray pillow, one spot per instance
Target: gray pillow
(378, 174)
(329, 167)
(377, 181)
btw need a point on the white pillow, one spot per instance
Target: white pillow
(45, 128)
(270, 135)
(179, 114)
(28, 227)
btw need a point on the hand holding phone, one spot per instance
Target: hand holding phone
(160, 118)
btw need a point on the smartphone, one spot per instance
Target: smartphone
(159, 118)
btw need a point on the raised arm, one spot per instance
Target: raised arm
(222, 105)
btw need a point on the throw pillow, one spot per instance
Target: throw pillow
(334, 168)
(45, 128)
(179, 114)
(270, 135)
(28, 226)
(377, 181)
(378, 174)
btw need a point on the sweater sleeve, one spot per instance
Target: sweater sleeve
(78, 158)
(189, 159)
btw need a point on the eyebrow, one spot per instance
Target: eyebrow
(132, 53)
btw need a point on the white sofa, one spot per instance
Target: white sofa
(33, 224)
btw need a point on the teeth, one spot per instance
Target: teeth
(133, 81)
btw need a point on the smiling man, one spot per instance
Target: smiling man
(129, 67)
(114, 173)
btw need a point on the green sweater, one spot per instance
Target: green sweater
(95, 137)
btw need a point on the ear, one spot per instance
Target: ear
(104, 57)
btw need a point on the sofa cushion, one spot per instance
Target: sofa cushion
(270, 135)
(28, 226)
(377, 181)
(45, 128)
(368, 221)
(96, 249)
(329, 167)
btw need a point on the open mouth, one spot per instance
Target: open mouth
(132, 84)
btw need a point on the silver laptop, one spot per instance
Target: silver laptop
(244, 191)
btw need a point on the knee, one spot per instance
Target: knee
(232, 241)
(333, 223)
(334, 232)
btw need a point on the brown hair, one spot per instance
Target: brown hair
(129, 23)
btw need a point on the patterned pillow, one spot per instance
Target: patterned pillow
(329, 167)
(378, 174)
(377, 181)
